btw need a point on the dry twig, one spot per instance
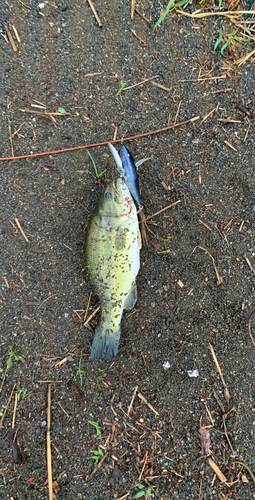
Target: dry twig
(95, 13)
(98, 144)
(147, 402)
(132, 400)
(21, 230)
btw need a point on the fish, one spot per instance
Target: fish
(128, 170)
(112, 256)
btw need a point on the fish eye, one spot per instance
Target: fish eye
(121, 153)
(108, 196)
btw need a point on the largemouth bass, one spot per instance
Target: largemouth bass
(112, 254)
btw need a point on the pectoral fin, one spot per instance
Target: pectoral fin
(140, 162)
(131, 298)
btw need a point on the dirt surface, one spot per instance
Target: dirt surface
(181, 309)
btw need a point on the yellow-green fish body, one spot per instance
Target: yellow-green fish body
(112, 249)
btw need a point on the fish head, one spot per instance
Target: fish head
(116, 200)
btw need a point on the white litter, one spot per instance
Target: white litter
(193, 373)
(166, 365)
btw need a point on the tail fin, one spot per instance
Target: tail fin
(105, 343)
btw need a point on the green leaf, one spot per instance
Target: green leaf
(95, 168)
(9, 362)
(139, 494)
(169, 6)
(61, 110)
(97, 426)
(80, 171)
(181, 3)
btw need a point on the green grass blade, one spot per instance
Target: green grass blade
(169, 6)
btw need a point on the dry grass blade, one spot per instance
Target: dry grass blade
(249, 264)
(49, 445)
(217, 471)
(249, 327)
(6, 408)
(227, 395)
(229, 13)
(243, 59)
(219, 278)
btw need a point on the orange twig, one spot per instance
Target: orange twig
(97, 144)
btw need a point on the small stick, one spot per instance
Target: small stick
(91, 316)
(14, 47)
(249, 327)
(163, 209)
(204, 79)
(132, 9)
(95, 13)
(230, 145)
(247, 131)
(49, 381)
(143, 466)
(227, 395)
(249, 264)
(14, 410)
(140, 83)
(69, 418)
(115, 134)
(86, 313)
(147, 402)
(24, 5)
(162, 86)
(99, 465)
(21, 230)
(217, 471)
(142, 220)
(16, 33)
(98, 144)
(17, 131)
(49, 446)
(226, 434)
(201, 222)
(6, 282)
(177, 112)
(142, 17)
(9, 126)
(138, 38)
(132, 400)
(6, 408)
(207, 116)
(2, 384)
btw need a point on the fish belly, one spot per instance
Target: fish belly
(112, 257)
